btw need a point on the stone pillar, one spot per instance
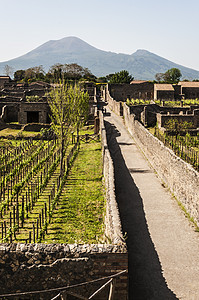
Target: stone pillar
(196, 118)
(96, 125)
(42, 117)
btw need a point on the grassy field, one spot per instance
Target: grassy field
(79, 217)
(15, 132)
(8, 131)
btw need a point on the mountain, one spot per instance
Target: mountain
(142, 64)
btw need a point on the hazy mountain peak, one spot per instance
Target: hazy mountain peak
(141, 52)
(142, 64)
(67, 44)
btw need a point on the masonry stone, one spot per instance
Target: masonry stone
(31, 267)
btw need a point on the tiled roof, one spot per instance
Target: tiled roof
(164, 87)
(138, 81)
(40, 83)
(189, 84)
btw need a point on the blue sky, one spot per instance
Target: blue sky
(167, 28)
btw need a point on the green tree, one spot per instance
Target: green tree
(56, 72)
(68, 72)
(121, 77)
(34, 73)
(19, 75)
(102, 79)
(31, 74)
(172, 75)
(73, 71)
(69, 107)
(109, 76)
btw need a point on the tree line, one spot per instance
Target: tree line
(75, 72)
(67, 72)
(56, 73)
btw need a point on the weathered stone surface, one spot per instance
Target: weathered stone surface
(28, 267)
(179, 176)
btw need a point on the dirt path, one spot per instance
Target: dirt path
(163, 246)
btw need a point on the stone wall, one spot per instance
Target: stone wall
(112, 222)
(122, 92)
(151, 113)
(3, 80)
(190, 92)
(164, 95)
(190, 118)
(30, 267)
(40, 107)
(12, 109)
(179, 176)
(116, 106)
(163, 119)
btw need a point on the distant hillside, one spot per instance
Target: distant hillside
(142, 64)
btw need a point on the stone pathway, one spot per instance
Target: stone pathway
(163, 245)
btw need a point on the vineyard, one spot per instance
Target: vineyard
(167, 103)
(179, 103)
(186, 147)
(34, 199)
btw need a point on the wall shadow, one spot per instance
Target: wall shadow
(146, 281)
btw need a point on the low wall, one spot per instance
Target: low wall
(112, 221)
(192, 119)
(35, 267)
(163, 119)
(178, 175)
(32, 267)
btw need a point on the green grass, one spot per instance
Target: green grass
(187, 215)
(79, 214)
(29, 133)
(151, 130)
(9, 131)
(86, 130)
(14, 132)
(79, 217)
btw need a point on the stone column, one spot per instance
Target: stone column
(196, 118)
